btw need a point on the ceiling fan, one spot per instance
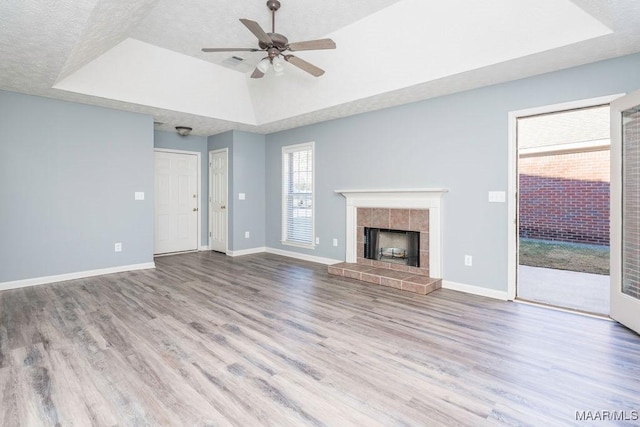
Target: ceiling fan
(275, 45)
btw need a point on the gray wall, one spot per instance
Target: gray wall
(173, 141)
(458, 142)
(246, 175)
(68, 173)
(248, 178)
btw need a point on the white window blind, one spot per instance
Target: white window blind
(631, 202)
(297, 195)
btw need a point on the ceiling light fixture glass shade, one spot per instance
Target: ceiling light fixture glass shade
(263, 65)
(278, 68)
(183, 130)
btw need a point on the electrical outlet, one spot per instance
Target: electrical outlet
(468, 260)
(317, 240)
(335, 242)
(246, 234)
(242, 196)
(118, 247)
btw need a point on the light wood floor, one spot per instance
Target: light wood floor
(206, 339)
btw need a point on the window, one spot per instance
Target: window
(297, 195)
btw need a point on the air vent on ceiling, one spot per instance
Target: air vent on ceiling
(238, 63)
(232, 61)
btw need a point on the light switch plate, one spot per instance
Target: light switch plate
(139, 195)
(241, 196)
(497, 196)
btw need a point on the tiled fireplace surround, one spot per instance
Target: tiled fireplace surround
(394, 219)
(415, 217)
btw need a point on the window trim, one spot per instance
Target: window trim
(287, 149)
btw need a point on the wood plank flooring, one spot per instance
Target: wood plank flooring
(206, 339)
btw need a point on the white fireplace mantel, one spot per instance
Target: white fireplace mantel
(402, 198)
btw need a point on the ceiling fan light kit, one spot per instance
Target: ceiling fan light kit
(278, 68)
(263, 65)
(275, 45)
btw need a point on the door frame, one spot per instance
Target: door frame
(226, 213)
(199, 189)
(512, 180)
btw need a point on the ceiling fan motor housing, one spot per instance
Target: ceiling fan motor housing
(278, 40)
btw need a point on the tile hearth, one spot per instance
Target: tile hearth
(402, 280)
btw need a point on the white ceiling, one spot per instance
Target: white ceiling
(144, 56)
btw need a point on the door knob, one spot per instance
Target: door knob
(223, 207)
(195, 209)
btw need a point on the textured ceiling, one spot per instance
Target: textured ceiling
(144, 56)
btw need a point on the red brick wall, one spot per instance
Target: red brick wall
(565, 197)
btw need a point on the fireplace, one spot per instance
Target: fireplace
(393, 246)
(393, 238)
(391, 209)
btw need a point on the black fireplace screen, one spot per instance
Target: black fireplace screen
(396, 246)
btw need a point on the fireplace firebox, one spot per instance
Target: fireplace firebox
(393, 246)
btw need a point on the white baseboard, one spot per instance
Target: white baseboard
(246, 251)
(204, 248)
(304, 257)
(290, 254)
(72, 276)
(475, 290)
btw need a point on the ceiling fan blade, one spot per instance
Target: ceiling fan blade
(230, 49)
(304, 65)
(312, 45)
(257, 74)
(257, 31)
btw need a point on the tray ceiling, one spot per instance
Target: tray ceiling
(145, 56)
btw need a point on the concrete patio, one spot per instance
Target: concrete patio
(568, 289)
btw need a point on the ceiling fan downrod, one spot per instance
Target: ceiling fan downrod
(273, 6)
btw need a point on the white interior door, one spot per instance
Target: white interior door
(625, 210)
(218, 200)
(176, 202)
